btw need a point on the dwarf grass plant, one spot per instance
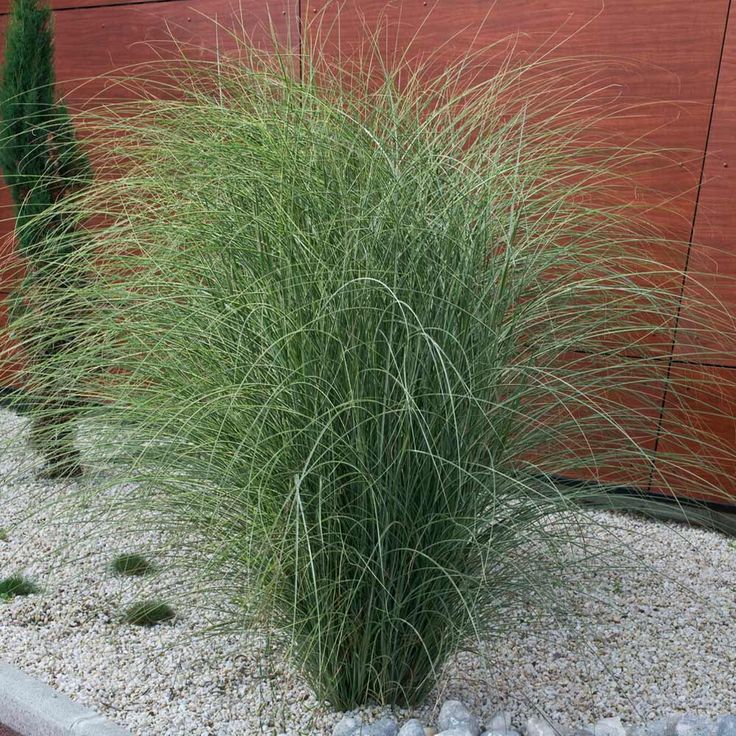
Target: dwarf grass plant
(341, 333)
(132, 564)
(16, 585)
(149, 613)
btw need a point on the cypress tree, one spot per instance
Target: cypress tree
(42, 162)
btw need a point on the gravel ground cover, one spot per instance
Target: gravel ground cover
(651, 634)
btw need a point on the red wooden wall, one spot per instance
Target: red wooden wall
(672, 61)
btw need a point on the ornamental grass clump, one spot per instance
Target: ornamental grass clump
(341, 335)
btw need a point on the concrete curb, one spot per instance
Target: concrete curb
(32, 708)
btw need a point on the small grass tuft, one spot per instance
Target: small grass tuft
(131, 564)
(16, 585)
(149, 613)
(4, 535)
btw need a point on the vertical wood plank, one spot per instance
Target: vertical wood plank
(710, 296)
(699, 420)
(712, 268)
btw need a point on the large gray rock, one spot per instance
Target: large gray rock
(609, 727)
(510, 732)
(412, 728)
(726, 726)
(383, 727)
(458, 731)
(347, 726)
(660, 727)
(500, 721)
(689, 725)
(536, 726)
(454, 715)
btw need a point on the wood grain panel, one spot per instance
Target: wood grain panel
(10, 360)
(615, 452)
(96, 41)
(9, 265)
(710, 297)
(711, 283)
(700, 422)
(658, 59)
(658, 64)
(117, 40)
(69, 4)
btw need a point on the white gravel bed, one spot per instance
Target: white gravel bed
(646, 640)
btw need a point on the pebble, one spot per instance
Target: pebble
(455, 719)
(726, 726)
(499, 722)
(347, 726)
(454, 715)
(611, 727)
(689, 725)
(413, 727)
(536, 726)
(383, 727)
(659, 727)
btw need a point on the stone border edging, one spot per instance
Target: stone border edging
(33, 708)
(456, 720)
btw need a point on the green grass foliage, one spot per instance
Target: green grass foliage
(148, 613)
(131, 564)
(344, 332)
(16, 585)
